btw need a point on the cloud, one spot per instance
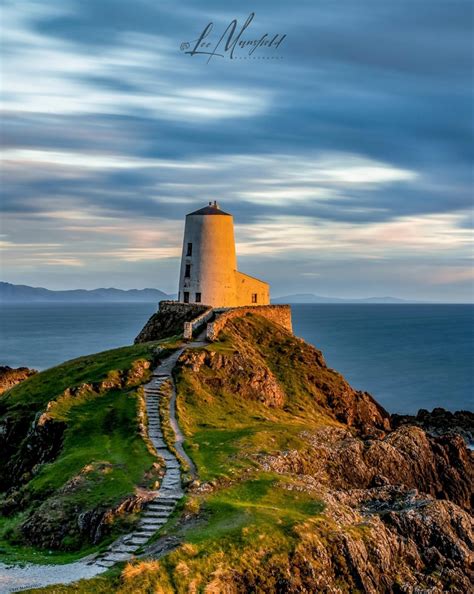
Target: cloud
(357, 145)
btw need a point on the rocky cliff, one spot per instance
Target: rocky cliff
(305, 484)
(308, 485)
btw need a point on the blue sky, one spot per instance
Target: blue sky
(347, 162)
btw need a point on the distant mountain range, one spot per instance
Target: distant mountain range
(310, 298)
(23, 294)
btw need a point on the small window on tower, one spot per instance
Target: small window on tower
(187, 271)
(190, 250)
(254, 297)
(186, 297)
(198, 297)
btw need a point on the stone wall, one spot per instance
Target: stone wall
(278, 314)
(194, 325)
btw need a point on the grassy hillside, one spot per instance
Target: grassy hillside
(241, 517)
(83, 417)
(303, 488)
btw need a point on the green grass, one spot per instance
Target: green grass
(103, 458)
(263, 503)
(102, 461)
(39, 389)
(102, 433)
(249, 519)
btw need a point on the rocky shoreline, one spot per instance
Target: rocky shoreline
(440, 422)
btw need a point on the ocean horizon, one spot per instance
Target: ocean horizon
(408, 356)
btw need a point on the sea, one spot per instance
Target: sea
(407, 356)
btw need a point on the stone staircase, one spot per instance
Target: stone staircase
(14, 578)
(160, 508)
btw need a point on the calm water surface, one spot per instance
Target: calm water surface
(407, 356)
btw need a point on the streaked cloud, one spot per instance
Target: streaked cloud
(347, 166)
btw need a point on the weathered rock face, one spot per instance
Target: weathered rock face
(42, 444)
(439, 466)
(241, 372)
(169, 320)
(60, 523)
(397, 500)
(416, 545)
(9, 377)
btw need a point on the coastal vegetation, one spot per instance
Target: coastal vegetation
(303, 482)
(74, 456)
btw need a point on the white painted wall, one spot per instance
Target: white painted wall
(213, 263)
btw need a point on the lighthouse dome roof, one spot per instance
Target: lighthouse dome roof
(211, 209)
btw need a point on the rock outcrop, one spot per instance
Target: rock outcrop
(441, 467)
(169, 320)
(9, 376)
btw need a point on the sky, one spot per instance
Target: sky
(344, 154)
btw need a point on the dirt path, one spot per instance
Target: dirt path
(14, 578)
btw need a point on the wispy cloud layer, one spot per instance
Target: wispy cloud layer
(347, 164)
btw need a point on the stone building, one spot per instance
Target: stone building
(209, 272)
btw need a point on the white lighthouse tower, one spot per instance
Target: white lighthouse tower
(209, 272)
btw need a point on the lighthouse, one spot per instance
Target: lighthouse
(209, 272)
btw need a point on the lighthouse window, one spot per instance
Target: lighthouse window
(186, 297)
(254, 297)
(187, 272)
(190, 250)
(198, 297)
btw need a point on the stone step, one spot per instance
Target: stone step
(150, 521)
(172, 496)
(163, 513)
(117, 557)
(160, 504)
(123, 548)
(168, 509)
(104, 563)
(146, 532)
(161, 501)
(140, 539)
(170, 485)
